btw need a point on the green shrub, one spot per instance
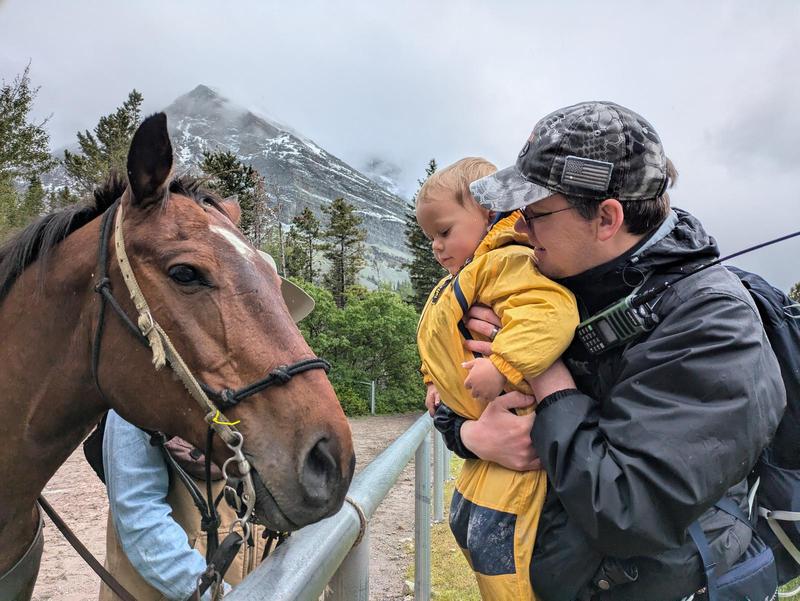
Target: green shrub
(351, 401)
(372, 338)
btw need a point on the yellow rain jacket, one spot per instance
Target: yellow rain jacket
(495, 511)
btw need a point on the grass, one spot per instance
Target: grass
(451, 576)
(790, 587)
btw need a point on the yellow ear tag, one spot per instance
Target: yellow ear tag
(216, 421)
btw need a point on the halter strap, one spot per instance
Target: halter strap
(228, 398)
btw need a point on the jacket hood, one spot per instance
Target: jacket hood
(679, 244)
(685, 242)
(502, 233)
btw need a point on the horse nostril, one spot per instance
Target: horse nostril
(320, 472)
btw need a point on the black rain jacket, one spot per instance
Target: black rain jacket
(657, 432)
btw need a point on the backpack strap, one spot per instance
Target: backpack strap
(772, 517)
(699, 538)
(727, 505)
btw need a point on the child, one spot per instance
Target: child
(495, 511)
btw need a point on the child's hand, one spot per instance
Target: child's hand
(432, 399)
(484, 379)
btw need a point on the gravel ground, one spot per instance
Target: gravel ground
(80, 498)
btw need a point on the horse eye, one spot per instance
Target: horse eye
(185, 275)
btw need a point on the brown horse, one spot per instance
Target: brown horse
(219, 303)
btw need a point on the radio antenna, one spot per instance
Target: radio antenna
(646, 297)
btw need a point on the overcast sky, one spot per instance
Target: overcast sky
(413, 80)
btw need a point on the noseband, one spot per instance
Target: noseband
(241, 494)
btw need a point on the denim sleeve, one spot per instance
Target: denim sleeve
(137, 480)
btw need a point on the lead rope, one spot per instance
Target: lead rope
(112, 583)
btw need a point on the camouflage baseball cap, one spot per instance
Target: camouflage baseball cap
(591, 150)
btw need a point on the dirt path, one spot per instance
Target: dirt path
(393, 521)
(80, 498)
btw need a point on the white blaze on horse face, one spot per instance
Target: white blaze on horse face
(240, 245)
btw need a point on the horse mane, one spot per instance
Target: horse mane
(35, 240)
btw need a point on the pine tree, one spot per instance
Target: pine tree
(24, 145)
(61, 198)
(294, 255)
(32, 203)
(24, 154)
(107, 148)
(8, 208)
(343, 247)
(302, 242)
(424, 272)
(231, 177)
(261, 211)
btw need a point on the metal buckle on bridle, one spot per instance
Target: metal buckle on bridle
(245, 525)
(213, 578)
(150, 323)
(239, 490)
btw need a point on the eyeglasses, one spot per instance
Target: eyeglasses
(529, 219)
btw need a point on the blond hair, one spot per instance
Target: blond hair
(455, 180)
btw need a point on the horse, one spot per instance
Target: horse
(66, 358)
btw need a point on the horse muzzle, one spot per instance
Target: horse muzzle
(318, 490)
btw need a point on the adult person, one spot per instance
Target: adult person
(155, 545)
(641, 440)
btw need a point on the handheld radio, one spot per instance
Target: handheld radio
(615, 325)
(634, 315)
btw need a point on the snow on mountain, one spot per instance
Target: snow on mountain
(297, 171)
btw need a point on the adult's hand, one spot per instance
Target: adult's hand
(501, 436)
(481, 320)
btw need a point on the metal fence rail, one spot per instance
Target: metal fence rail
(322, 555)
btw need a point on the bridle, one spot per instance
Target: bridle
(239, 489)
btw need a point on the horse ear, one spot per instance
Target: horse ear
(150, 161)
(232, 208)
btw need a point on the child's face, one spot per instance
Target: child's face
(455, 231)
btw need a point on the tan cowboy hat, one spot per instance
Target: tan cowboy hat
(297, 301)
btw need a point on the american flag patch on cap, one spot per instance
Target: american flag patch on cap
(587, 173)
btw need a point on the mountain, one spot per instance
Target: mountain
(297, 172)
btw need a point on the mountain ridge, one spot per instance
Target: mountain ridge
(298, 172)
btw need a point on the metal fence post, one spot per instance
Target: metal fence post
(438, 477)
(351, 581)
(371, 384)
(422, 521)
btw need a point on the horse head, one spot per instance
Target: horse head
(219, 303)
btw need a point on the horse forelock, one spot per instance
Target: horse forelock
(46, 232)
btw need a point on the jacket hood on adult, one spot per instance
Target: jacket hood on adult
(678, 245)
